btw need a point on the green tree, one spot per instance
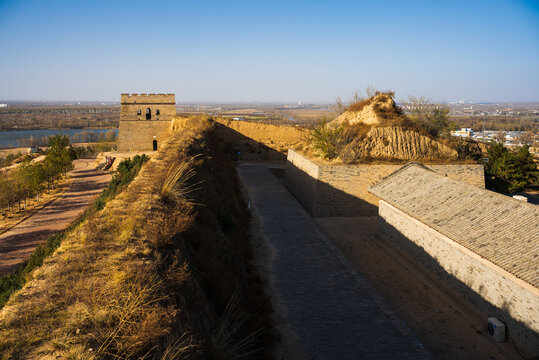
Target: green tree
(59, 156)
(58, 141)
(35, 177)
(327, 140)
(6, 191)
(509, 172)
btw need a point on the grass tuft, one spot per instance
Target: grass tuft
(175, 187)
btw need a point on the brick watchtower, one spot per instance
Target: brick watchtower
(145, 121)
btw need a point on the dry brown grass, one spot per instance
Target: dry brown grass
(128, 282)
(109, 291)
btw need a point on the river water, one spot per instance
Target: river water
(23, 138)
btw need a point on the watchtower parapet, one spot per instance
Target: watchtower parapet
(148, 99)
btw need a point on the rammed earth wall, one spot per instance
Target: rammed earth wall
(342, 190)
(492, 290)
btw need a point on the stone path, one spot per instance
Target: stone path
(17, 244)
(335, 312)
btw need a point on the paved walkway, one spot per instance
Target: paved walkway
(17, 244)
(335, 312)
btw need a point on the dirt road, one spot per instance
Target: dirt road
(18, 244)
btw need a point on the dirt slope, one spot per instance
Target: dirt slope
(376, 128)
(400, 143)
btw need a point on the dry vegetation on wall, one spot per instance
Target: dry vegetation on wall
(152, 275)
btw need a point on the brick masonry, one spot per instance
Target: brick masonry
(494, 291)
(136, 132)
(342, 190)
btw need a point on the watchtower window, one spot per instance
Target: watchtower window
(148, 114)
(154, 145)
(139, 112)
(157, 112)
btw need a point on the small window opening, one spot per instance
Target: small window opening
(157, 112)
(148, 114)
(139, 112)
(155, 145)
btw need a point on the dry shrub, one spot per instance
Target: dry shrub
(179, 348)
(176, 187)
(160, 228)
(358, 106)
(224, 341)
(134, 318)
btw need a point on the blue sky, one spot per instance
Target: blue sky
(272, 51)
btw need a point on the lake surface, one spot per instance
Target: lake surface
(20, 138)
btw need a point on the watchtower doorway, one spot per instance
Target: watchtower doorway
(148, 114)
(155, 145)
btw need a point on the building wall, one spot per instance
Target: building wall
(139, 135)
(342, 190)
(301, 178)
(494, 291)
(135, 132)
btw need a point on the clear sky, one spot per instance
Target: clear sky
(271, 51)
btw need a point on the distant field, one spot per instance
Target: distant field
(308, 116)
(57, 117)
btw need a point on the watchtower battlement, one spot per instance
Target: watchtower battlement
(145, 120)
(148, 98)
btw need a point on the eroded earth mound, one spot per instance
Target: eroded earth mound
(376, 128)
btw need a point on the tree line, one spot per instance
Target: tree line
(31, 179)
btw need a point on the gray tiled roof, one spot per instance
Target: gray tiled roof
(499, 228)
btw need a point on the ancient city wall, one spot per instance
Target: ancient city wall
(494, 291)
(277, 137)
(342, 190)
(137, 135)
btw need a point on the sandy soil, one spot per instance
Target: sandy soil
(449, 326)
(17, 244)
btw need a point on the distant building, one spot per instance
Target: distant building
(464, 132)
(3, 105)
